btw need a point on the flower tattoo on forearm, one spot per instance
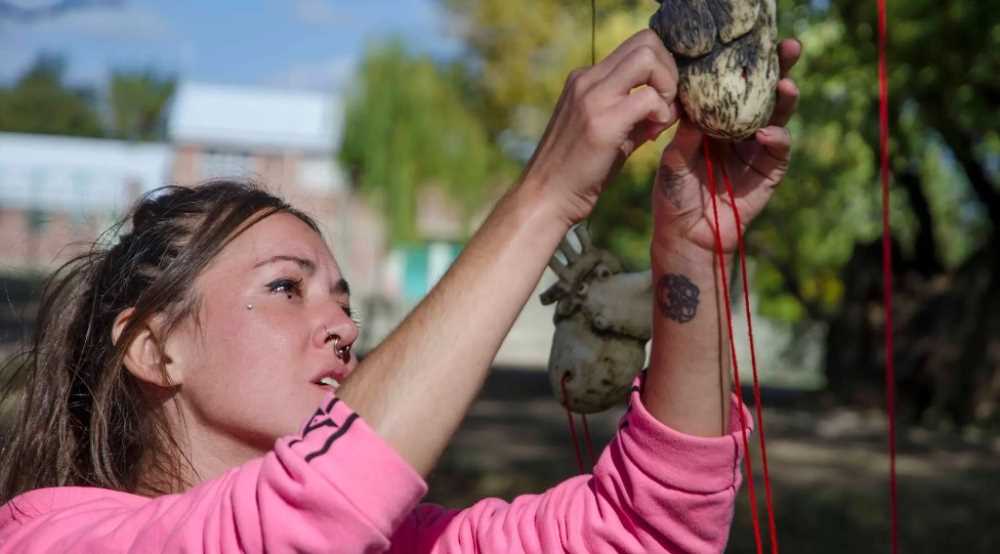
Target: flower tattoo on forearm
(677, 297)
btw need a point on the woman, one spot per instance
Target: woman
(172, 373)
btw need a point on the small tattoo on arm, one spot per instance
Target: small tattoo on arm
(677, 297)
(671, 188)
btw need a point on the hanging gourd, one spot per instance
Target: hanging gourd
(727, 61)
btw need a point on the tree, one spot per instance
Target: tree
(137, 100)
(41, 102)
(814, 251)
(407, 127)
(521, 52)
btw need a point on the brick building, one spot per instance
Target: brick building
(58, 193)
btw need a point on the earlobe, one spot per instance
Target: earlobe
(144, 355)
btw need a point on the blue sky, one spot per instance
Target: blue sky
(310, 44)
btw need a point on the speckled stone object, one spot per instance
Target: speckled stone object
(727, 58)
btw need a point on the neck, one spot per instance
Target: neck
(196, 451)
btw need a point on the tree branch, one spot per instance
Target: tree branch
(927, 260)
(962, 145)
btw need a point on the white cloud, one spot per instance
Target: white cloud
(325, 75)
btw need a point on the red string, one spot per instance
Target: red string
(587, 439)
(758, 405)
(732, 347)
(890, 369)
(572, 426)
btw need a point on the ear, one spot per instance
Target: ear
(144, 356)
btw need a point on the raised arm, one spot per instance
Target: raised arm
(416, 387)
(688, 385)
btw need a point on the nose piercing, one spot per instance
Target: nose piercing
(341, 352)
(249, 306)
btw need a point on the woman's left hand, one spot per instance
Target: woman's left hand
(681, 198)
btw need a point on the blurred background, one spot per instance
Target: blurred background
(397, 124)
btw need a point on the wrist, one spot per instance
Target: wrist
(670, 251)
(557, 199)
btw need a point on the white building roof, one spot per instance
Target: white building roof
(78, 174)
(255, 118)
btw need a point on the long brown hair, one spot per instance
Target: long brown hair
(82, 418)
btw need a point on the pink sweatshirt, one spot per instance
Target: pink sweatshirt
(338, 487)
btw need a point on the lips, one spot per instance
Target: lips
(331, 377)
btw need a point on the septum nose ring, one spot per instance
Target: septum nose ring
(342, 352)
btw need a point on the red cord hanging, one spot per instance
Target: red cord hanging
(572, 425)
(758, 405)
(588, 440)
(710, 177)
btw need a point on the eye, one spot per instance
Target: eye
(288, 287)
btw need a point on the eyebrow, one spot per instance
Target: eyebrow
(341, 286)
(305, 264)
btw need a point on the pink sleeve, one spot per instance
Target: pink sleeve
(336, 488)
(652, 490)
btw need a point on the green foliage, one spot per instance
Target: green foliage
(410, 125)
(40, 102)
(944, 130)
(137, 100)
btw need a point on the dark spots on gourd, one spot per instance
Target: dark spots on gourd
(686, 27)
(743, 34)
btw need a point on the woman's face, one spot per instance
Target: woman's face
(249, 365)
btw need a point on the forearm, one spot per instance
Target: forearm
(416, 387)
(688, 383)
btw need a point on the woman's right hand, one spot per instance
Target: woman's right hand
(600, 119)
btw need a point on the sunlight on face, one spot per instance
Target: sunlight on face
(249, 369)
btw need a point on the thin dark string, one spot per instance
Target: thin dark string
(890, 368)
(565, 377)
(593, 32)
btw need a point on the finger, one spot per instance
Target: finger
(784, 106)
(789, 51)
(641, 67)
(765, 170)
(643, 105)
(763, 157)
(776, 143)
(645, 37)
